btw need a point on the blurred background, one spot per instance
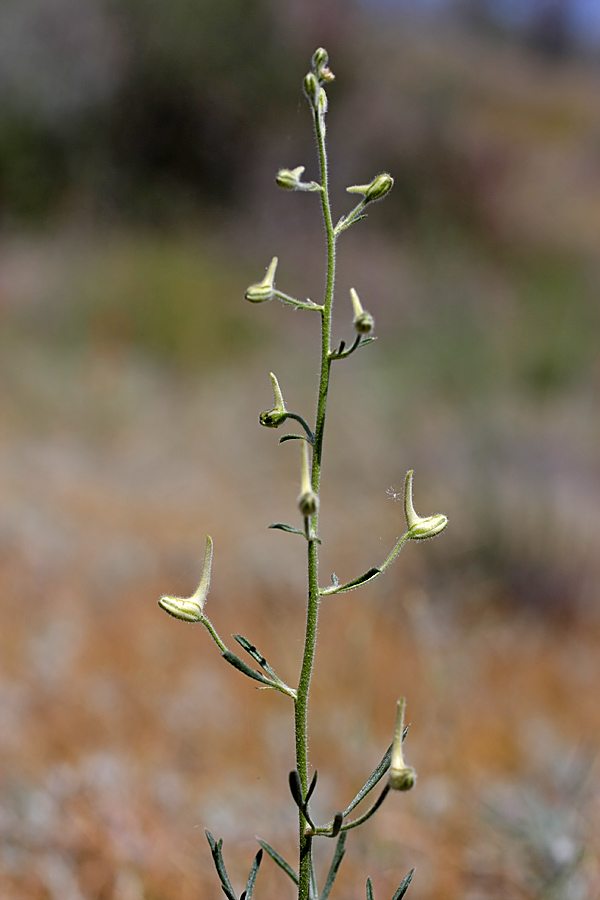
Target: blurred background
(139, 140)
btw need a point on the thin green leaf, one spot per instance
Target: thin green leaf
(292, 437)
(296, 788)
(352, 585)
(334, 579)
(254, 653)
(283, 527)
(237, 663)
(215, 849)
(338, 821)
(371, 781)
(404, 886)
(296, 791)
(369, 889)
(362, 579)
(247, 895)
(311, 787)
(279, 860)
(340, 849)
(313, 892)
(365, 341)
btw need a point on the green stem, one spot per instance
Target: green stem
(213, 633)
(301, 704)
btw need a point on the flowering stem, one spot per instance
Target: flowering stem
(301, 705)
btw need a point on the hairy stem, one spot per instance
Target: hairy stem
(301, 705)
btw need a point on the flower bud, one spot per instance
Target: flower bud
(363, 321)
(322, 102)
(320, 59)
(320, 67)
(189, 609)
(378, 188)
(308, 502)
(401, 776)
(263, 290)
(272, 418)
(311, 88)
(420, 528)
(289, 179)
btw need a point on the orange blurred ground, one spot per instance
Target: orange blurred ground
(123, 734)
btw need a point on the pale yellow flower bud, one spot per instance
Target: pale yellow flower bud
(420, 528)
(272, 418)
(263, 290)
(363, 321)
(189, 609)
(308, 502)
(289, 179)
(401, 776)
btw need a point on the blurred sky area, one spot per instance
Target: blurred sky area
(583, 16)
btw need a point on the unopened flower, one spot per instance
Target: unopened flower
(401, 776)
(322, 102)
(308, 502)
(272, 418)
(289, 180)
(376, 189)
(265, 289)
(189, 609)
(420, 528)
(319, 65)
(311, 88)
(363, 321)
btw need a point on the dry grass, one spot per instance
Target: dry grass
(123, 734)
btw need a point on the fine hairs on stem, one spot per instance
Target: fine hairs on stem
(400, 777)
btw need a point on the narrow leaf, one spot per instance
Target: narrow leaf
(237, 663)
(254, 653)
(338, 821)
(312, 786)
(313, 892)
(372, 780)
(362, 579)
(369, 889)
(279, 860)
(283, 527)
(366, 340)
(334, 579)
(340, 849)
(404, 886)
(215, 849)
(247, 895)
(292, 437)
(296, 788)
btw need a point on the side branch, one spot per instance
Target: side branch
(373, 573)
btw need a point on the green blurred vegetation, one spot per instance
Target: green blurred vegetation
(173, 298)
(135, 108)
